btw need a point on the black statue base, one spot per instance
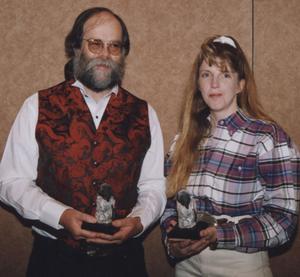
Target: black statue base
(100, 228)
(188, 233)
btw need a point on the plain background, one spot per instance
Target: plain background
(165, 36)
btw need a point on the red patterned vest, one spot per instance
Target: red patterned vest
(75, 157)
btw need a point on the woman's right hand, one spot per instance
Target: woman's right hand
(180, 248)
(171, 226)
(186, 247)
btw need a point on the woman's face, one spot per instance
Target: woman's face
(219, 89)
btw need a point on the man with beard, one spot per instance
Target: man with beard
(69, 139)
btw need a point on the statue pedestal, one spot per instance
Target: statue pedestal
(188, 233)
(100, 228)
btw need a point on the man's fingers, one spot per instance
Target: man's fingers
(103, 241)
(119, 223)
(88, 234)
(72, 221)
(106, 238)
(129, 227)
(87, 218)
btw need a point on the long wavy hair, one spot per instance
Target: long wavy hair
(194, 125)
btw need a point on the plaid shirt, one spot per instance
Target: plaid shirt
(247, 168)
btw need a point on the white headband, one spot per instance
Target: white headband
(226, 40)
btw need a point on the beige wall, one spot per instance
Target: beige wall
(165, 38)
(277, 71)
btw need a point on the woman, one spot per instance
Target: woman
(237, 164)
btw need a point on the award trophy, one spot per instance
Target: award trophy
(190, 222)
(105, 203)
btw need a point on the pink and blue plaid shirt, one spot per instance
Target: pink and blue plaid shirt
(248, 167)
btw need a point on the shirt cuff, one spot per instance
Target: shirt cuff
(51, 213)
(148, 209)
(145, 223)
(226, 236)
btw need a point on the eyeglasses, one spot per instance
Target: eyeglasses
(96, 46)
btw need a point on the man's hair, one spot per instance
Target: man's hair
(74, 38)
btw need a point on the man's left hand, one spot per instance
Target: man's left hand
(129, 227)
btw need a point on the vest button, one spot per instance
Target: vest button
(94, 204)
(95, 142)
(95, 163)
(94, 183)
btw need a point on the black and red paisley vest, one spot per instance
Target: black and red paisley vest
(75, 157)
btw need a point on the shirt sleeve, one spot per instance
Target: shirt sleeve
(170, 212)
(275, 223)
(151, 185)
(18, 170)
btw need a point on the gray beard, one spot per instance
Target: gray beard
(85, 72)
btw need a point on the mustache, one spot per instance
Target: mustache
(95, 62)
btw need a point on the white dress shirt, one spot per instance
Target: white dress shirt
(18, 168)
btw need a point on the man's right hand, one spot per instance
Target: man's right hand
(72, 220)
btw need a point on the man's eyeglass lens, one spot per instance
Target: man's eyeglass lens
(96, 46)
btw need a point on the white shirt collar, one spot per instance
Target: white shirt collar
(79, 85)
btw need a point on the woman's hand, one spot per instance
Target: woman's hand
(186, 248)
(210, 234)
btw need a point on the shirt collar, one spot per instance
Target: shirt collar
(235, 121)
(79, 85)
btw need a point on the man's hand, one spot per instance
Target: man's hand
(72, 220)
(129, 227)
(185, 247)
